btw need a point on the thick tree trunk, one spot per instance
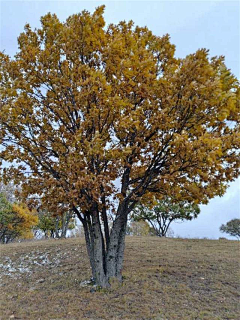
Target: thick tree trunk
(106, 263)
(96, 249)
(105, 251)
(98, 252)
(116, 248)
(89, 248)
(121, 248)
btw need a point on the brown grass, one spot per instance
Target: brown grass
(163, 279)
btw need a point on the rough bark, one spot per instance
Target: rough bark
(105, 255)
(121, 248)
(98, 252)
(116, 248)
(89, 248)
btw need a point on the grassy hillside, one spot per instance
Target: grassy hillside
(163, 279)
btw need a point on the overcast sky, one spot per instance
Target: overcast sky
(191, 24)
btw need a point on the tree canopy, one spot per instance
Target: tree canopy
(96, 118)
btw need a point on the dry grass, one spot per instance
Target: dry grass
(163, 279)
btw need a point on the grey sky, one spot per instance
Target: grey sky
(191, 24)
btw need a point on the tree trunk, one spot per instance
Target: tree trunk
(106, 260)
(105, 251)
(66, 217)
(98, 252)
(115, 252)
(95, 249)
(89, 248)
(55, 232)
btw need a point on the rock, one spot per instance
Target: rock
(32, 289)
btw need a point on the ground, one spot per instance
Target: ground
(163, 279)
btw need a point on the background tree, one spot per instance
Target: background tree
(232, 227)
(164, 213)
(84, 105)
(138, 228)
(16, 221)
(8, 191)
(55, 226)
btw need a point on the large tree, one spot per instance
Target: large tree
(96, 118)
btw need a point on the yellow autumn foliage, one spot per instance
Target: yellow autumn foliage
(27, 220)
(104, 117)
(94, 105)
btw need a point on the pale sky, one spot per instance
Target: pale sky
(191, 24)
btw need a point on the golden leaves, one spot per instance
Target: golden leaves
(85, 105)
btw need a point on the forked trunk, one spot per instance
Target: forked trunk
(106, 260)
